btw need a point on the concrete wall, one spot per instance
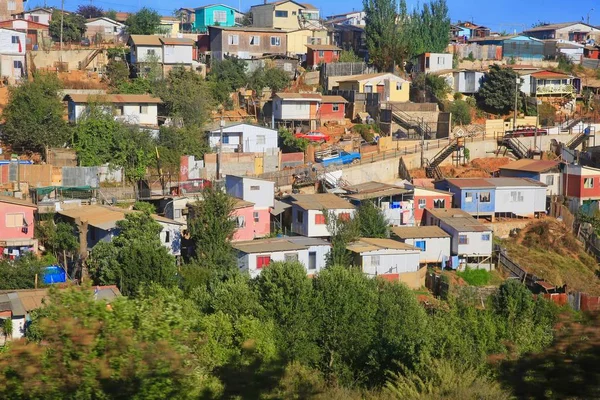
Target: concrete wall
(72, 58)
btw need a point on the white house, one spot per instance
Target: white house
(168, 52)
(245, 138)
(296, 106)
(104, 30)
(145, 48)
(40, 14)
(467, 81)
(433, 242)
(354, 18)
(177, 51)
(254, 255)
(544, 171)
(135, 109)
(471, 240)
(307, 213)
(389, 259)
(432, 62)
(389, 198)
(261, 192)
(12, 54)
(12, 308)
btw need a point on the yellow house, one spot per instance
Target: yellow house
(286, 15)
(169, 26)
(391, 87)
(298, 39)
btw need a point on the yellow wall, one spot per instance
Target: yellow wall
(291, 22)
(297, 40)
(401, 95)
(172, 26)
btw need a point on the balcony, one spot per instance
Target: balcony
(554, 89)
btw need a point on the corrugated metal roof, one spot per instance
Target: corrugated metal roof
(145, 40)
(239, 203)
(299, 96)
(550, 27)
(470, 183)
(427, 191)
(410, 232)
(267, 246)
(177, 41)
(484, 183)
(549, 75)
(365, 77)
(333, 99)
(106, 218)
(320, 201)
(458, 219)
(308, 241)
(529, 165)
(370, 244)
(18, 202)
(112, 98)
(372, 190)
(248, 29)
(322, 47)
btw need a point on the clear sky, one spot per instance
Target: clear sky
(499, 15)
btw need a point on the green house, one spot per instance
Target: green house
(214, 15)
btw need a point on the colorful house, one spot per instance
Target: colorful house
(333, 109)
(515, 46)
(572, 31)
(213, 15)
(389, 86)
(297, 108)
(582, 187)
(307, 213)
(433, 242)
(321, 54)
(255, 200)
(389, 198)
(433, 62)
(16, 227)
(285, 15)
(246, 42)
(428, 198)
(544, 171)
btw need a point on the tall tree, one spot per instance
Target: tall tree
(90, 11)
(497, 91)
(226, 77)
(33, 118)
(145, 22)
(384, 39)
(343, 232)
(73, 26)
(112, 14)
(212, 228)
(134, 258)
(371, 221)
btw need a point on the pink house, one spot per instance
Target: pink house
(252, 222)
(429, 198)
(16, 227)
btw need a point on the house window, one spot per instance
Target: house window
(234, 40)
(167, 237)
(256, 216)
(486, 237)
(254, 40)
(421, 244)
(151, 52)
(260, 139)
(439, 203)
(225, 139)
(254, 188)
(177, 213)
(375, 261)
(312, 260)
(300, 216)
(588, 183)
(294, 13)
(14, 39)
(143, 108)
(281, 14)
(35, 18)
(368, 89)
(422, 203)
(468, 197)
(93, 234)
(241, 221)
(516, 197)
(12, 5)
(119, 110)
(15, 220)
(549, 180)
(441, 60)
(398, 86)
(262, 261)
(484, 197)
(321, 53)
(463, 239)
(275, 41)
(335, 107)
(220, 16)
(17, 64)
(344, 216)
(290, 257)
(319, 219)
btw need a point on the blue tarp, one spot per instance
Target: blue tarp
(54, 274)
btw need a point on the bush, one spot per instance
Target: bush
(475, 277)
(461, 112)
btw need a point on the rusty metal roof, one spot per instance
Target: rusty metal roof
(529, 165)
(363, 245)
(177, 41)
(373, 190)
(322, 47)
(145, 40)
(333, 99)
(320, 201)
(17, 202)
(299, 96)
(112, 98)
(106, 218)
(458, 219)
(271, 245)
(421, 232)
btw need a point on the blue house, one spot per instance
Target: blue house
(491, 197)
(214, 15)
(515, 46)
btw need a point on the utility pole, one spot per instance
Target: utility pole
(588, 16)
(62, 21)
(518, 80)
(220, 161)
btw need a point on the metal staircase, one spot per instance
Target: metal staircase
(517, 148)
(403, 172)
(409, 122)
(444, 153)
(434, 173)
(577, 140)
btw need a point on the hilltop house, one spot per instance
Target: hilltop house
(35, 31)
(433, 62)
(257, 199)
(285, 15)
(354, 18)
(41, 15)
(246, 42)
(245, 138)
(572, 31)
(104, 30)
(332, 109)
(12, 54)
(16, 227)
(515, 46)
(213, 15)
(307, 213)
(135, 109)
(389, 86)
(433, 242)
(168, 52)
(254, 255)
(321, 54)
(389, 259)
(544, 171)
(582, 187)
(425, 198)
(389, 198)
(297, 108)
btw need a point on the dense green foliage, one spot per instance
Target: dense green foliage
(20, 274)
(225, 77)
(273, 78)
(73, 26)
(371, 221)
(428, 28)
(145, 22)
(497, 91)
(349, 56)
(475, 277)
(117, 73)
(343, 232)
(461, 112)
(58, 239)
(288, 143)
(33, 117)
(89, 11)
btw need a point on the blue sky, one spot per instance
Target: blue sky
(500, 15)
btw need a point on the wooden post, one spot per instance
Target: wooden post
(36, 281)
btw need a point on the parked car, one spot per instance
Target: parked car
(525, 131)
(85, 42)
(337, 157)
(313, 136)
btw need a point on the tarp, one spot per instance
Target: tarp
(42, 191)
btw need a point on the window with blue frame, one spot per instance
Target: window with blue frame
(485, 237)
(421, 244)
(225, 139)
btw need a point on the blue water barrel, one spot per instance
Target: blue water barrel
(54, 274)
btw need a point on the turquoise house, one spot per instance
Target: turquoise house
(214, 14)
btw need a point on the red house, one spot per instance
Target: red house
(429, 198)
(582, 185)
(16, 227)
(321, 54)
(592, 52)
(333, 109)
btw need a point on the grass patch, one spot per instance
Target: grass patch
(476, 277)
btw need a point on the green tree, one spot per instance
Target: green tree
(90, 11)
(427, 29)
(59, 239)
(211, 229)
(174, 142)
(290, 143)
(134, 151)
(385, 41)
(73, 26)
(274, 78)
(117, 73)
(136, 257)
(145, 22)
(286, 294)
(20, 274)
(138, 85)
(343, 232)
(497, 91)
(226, 77)
(371, 221)
(33, 117)
(349, 56)
(145, 207)
(461, 112)
(112, 14)
(94, 136)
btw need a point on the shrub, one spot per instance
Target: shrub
(461, 112)
(475, 277)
